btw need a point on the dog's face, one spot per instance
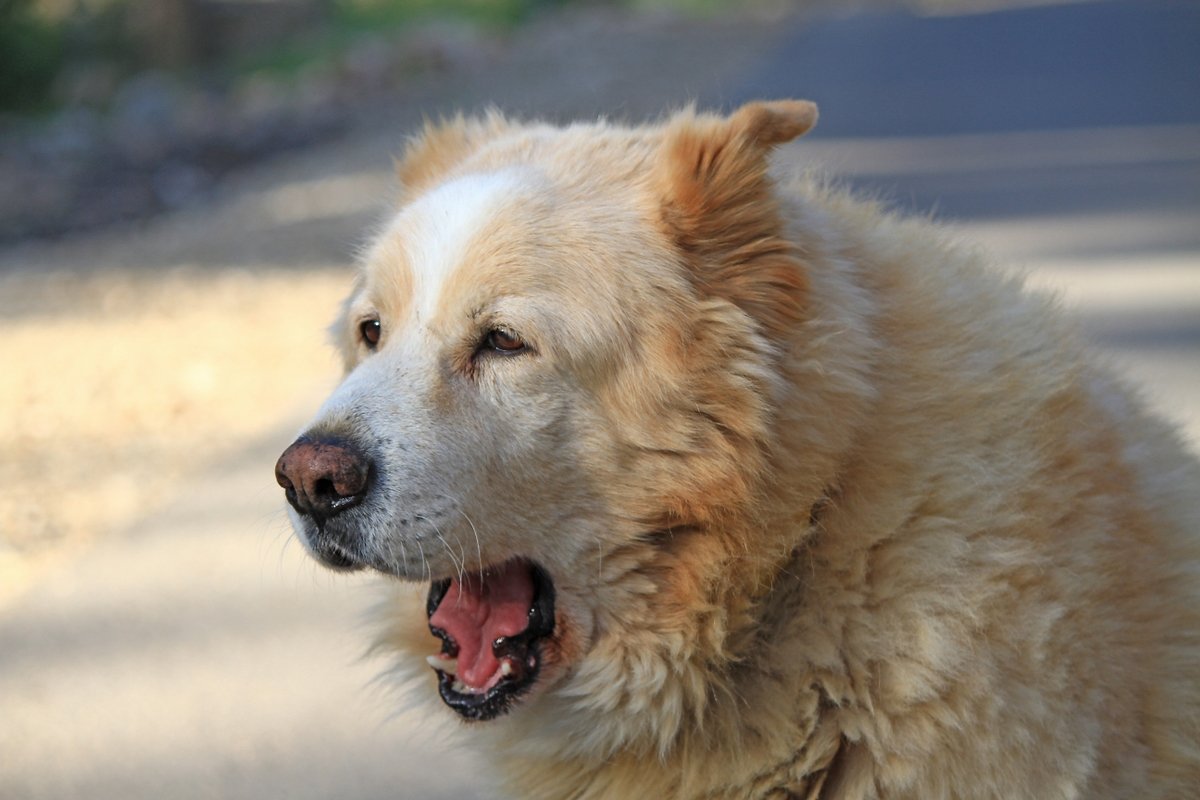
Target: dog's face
(478, 346)
(472, 349)
(540, 351)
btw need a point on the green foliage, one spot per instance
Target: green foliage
(376, 14)
(349, 20)
(37, 45)
(701, 8)
(31, 52)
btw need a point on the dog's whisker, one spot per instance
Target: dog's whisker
(424, 561)
(459, 565)
(403, 553)
(478, 546)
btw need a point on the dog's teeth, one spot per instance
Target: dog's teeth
(506, 668)
(461, 688)
(447, 665)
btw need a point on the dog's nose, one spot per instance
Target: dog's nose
(323, 477)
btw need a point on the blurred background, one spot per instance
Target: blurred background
(184, 183)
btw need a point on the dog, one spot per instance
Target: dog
(724, 486)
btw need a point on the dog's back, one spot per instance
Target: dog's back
(1012, 558)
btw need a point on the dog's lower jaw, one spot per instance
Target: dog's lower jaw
(484, 608)
(324, 547)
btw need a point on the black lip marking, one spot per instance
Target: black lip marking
(524, 651)
(437, 590)
(328, 549)
(338, 561)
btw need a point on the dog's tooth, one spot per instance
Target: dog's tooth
(461, 687)
(506, 668)
(448, 665)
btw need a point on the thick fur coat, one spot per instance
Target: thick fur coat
(831, 507)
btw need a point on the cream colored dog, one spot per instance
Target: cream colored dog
(722, 490)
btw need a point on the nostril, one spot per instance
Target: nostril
(323, 488)
(322, 477)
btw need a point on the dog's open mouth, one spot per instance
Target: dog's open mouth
(491, 626)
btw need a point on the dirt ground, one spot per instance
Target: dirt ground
(128, 381)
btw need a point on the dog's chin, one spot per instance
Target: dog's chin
(327, 548)
(335, 558)
(339, 545)
(494, 626)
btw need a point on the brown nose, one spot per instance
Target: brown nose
(323, 477)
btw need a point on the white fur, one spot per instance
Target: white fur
(439, 226)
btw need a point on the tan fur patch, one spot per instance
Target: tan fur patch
(432, 154)
(718, 207)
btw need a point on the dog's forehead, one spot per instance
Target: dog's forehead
(433, 237)
(574, 260)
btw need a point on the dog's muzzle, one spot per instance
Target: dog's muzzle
(323, 477)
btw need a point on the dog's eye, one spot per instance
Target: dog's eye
(502, 340)
(369, 330)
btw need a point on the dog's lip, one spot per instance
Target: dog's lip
(336, 560)
(330, 553)
(520, 656)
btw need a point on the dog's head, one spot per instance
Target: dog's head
(560, 372)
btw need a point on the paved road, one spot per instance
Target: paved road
(200, 655)
(1064, 136)
(1050, 66)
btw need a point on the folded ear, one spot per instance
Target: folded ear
(442, 145)
(718, 205)
(776, 121)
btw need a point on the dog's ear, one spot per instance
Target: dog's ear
(718, 206)
(442, 145)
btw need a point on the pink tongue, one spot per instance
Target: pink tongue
(474, 614)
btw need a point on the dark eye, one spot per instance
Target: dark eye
(502, 340)
(369, 330)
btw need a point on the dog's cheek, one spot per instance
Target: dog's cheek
(525, 427)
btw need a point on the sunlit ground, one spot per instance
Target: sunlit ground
(125, 384)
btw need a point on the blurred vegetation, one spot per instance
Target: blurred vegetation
(115, 110)
(375, 14)
(31, 53)
(342, 23)
(75, 52)
(51, 51)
